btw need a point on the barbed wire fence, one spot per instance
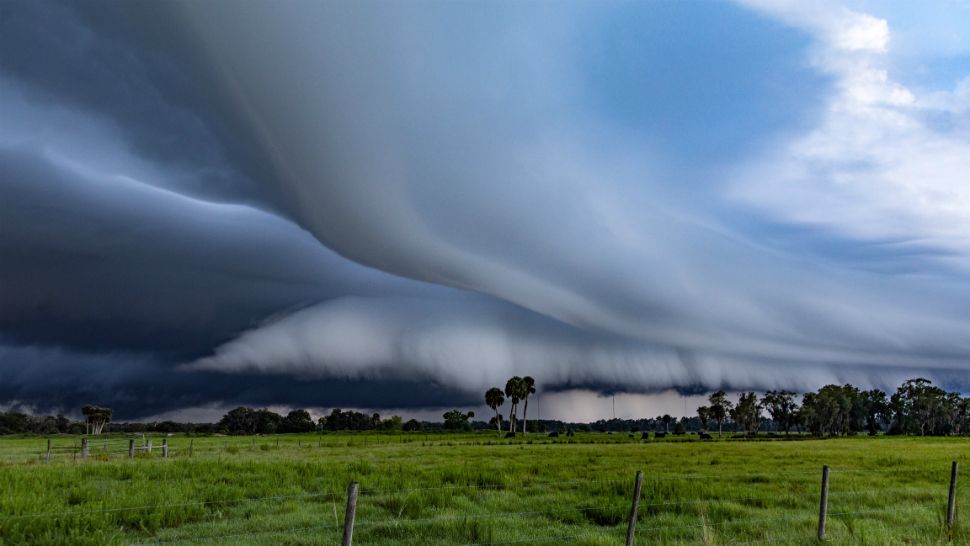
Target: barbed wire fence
(97, 444)
(643, 525)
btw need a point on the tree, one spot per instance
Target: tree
(456, 420)
(513, 389)
(834, 410)
(720, 407)
(392, 423)
(413, 425)
(666, 420)
(528, 387)
(704, 415)
(96, 418)
(747, 414)
(680, 429)
(961, 413)
(782, 408)
(267, 422)
(921, 402)
(297, 421)
(876, 408)
(822, 411)
(494, 398)
(350, 420)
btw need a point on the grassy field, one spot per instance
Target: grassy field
(476, 489)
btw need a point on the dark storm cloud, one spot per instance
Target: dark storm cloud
(101, 263)
(134, 66)
(136, 387)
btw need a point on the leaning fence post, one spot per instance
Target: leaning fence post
(131, 448)
(165, 448)
(634, 510)
(349, 516)
(951, 505)
(823, 506)
(84, 448)
(47, 458)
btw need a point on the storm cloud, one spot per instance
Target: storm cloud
(398, 205)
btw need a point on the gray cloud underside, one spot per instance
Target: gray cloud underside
(478, 342)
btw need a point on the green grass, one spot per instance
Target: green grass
(476, 488)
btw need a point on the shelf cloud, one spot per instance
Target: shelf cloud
(219, 203)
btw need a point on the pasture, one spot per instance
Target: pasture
(419, 489)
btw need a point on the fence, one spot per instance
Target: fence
(623, 519)
(134, 445)
(105, 445)
(70, 447)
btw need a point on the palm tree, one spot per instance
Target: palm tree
(495, 398)
(528, 387)
(513, 389)
(666, 419)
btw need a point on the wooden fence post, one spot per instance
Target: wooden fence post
(190, 446)
(131, 448)
(47, 458)
(823, 506)
(148, 446)
(349, 516)
(165, 448)
(634, 510)
(951, 505)
(84, 448)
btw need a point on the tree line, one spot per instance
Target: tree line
(917, 407)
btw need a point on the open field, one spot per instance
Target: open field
(477, 489)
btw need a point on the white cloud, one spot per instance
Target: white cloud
(876, 166)
(861, 32)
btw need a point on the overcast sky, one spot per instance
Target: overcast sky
(396, 205)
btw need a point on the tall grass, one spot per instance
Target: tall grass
(479, 489)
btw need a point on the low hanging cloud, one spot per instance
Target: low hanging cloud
(472, 343)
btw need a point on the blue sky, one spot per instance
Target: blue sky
(704, 83)
(320, 203)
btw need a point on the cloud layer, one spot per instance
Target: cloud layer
(463, 180)
(244, 202)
